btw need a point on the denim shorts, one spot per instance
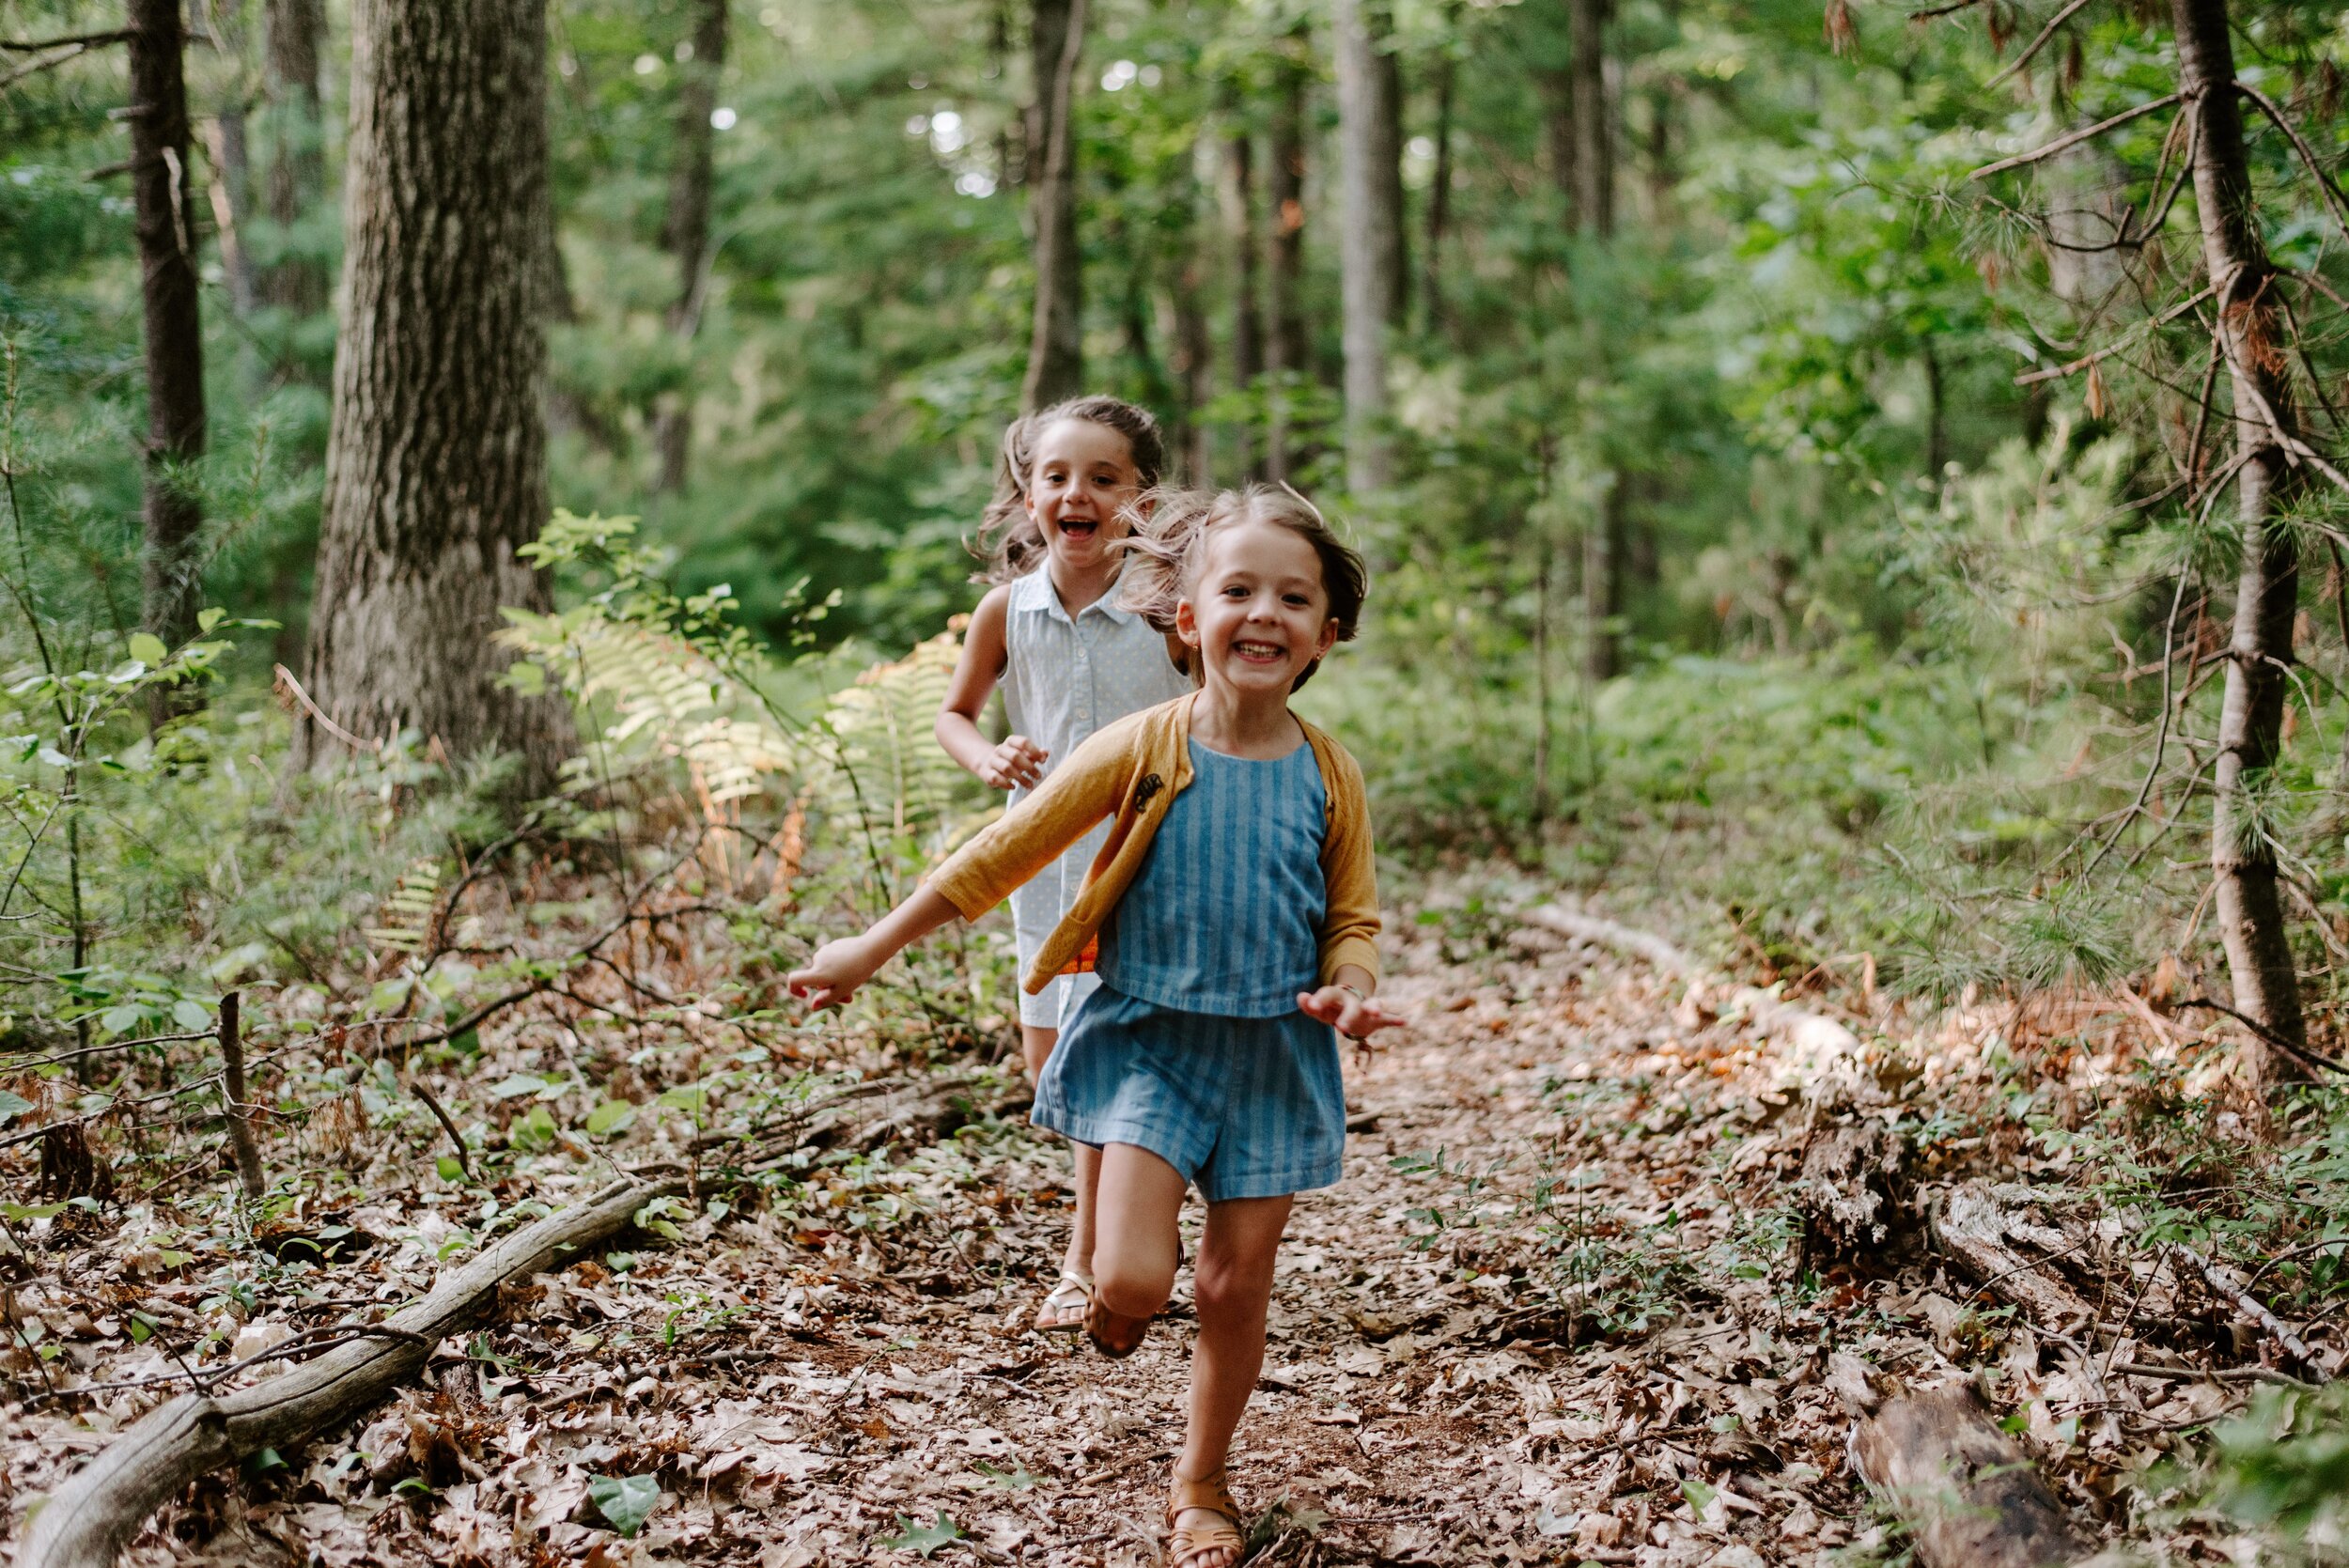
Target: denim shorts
(1244, 1107)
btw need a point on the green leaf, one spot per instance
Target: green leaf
(263, 1461)
(450, 1169)
(535, 1133)
(142, 1328)
(209, 617)
(189, 1015)
(116, 1020)
(31, 1211)
(689, 1099)
(1698, 1496)
(627, 1500)
(610, 1117)
(925, 1539)
(149, 649)
(513, 1088)
(12, 1105)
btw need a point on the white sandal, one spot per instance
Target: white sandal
(1062, 1308)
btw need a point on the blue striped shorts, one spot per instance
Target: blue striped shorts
(1245, 1108)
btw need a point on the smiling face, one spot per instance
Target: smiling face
(1083, 476)
(1257, 611)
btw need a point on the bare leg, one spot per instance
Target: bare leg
(1035, 1048)
(1134, 1242)
(1233, 1289)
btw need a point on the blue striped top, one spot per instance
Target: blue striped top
(1224, 915)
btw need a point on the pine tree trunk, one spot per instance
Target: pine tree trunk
(686, 230)
(436, 460)
(1594, 216)
(1439, 200)
(1288, 350)
(1238, 199)
(164, 198)
(1556, 88)
(2250, 724)
(1593, 145)
(231, 181)
(1371, 243)
(1193, 353)
(1056, 343)
(293, 37)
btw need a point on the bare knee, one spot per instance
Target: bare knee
(1130, 1287)
(1224, 1293)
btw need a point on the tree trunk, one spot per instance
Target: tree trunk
(1593, 145)
(1056, 343)
(436, 459)
(1193, 353)
(1970, 1495)
(164, 201)
(1556, 88)
(1439, 201)
(1238, 199)
(231, 183)
(2250, 724)
(686, 230)
(1288, 351)
(1595, 217)
(1371, 244)
(293, 37)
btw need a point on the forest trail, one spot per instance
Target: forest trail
(821, 1403)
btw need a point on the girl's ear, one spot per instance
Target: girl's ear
(1186, 623)
(1328, 639)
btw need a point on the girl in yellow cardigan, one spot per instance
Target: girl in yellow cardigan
(1230, 917)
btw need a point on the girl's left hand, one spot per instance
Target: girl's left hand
(1349, 1012)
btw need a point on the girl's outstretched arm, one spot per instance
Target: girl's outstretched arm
(839, 967)
(1018, 760)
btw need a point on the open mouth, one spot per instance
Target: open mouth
(1260, 653)
(1078, 528)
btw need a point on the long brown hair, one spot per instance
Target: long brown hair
(1008, 542)
(1168, 546)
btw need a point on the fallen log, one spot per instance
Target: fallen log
(1815, 1037)
(1967, 1493)
(89, 1519)
(1970, 1229)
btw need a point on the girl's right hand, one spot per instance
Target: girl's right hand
(1018, 761)
(833, 976)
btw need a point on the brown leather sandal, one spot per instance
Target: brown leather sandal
(1211, 1495)
(1113, 1334)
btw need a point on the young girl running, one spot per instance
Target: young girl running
(1233, 909)
(1070, 659)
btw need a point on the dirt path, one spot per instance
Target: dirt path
(1550, 1157)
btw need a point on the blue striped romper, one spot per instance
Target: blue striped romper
(1064, 677)
(1193, 1047)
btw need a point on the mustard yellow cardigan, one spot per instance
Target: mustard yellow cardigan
(1132, 771)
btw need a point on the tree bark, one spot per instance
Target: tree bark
(1595, 217)
(164, 201)
(293, 36)
(1439, 200)
(1370, 245)
(686, 230)
(1056, 341)
(1288, 350)
(1238, 193)
(2250, 726)
(231, 183)
(436, 459)
(1593, 143)
(1556, 88)
(1193, 356)
(1970, 1495)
